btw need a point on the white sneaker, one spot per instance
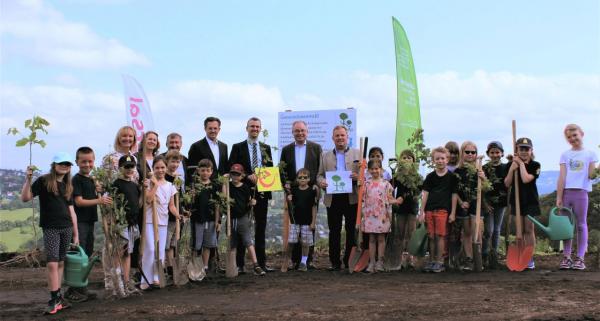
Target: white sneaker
(371, 268)
(379, 266)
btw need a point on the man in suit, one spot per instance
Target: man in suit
(210, 148)
(252, 154)
(340, 206)
(174, 141)
(302, 153)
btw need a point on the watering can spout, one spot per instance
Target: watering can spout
(537, 223)
(88, 269)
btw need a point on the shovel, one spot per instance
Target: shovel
(231, 270)
(518, 254)
(393, 253)
(357, 252)
(477, 260)
(179, 276)
(158, 265)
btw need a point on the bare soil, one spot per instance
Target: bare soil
(543, 294)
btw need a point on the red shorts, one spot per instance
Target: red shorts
(436, 222)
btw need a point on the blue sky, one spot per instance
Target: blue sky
(479, 65)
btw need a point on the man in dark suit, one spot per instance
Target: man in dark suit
(302, 153)
(210, 148)
(252, 154)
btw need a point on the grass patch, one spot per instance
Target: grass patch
(15, 215)
(16, 237)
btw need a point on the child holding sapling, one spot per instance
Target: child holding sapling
(376, 214)
(57, 220)
(467, 175)
(574, 183)
(160, 196)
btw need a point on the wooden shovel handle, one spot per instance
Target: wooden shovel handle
(516, 184)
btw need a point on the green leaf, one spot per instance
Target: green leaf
(41, 142)
(28, 123)
(12, 131)
(32, 136)
(22, 142)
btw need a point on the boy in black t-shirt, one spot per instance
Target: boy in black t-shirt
(440, 195)
(86, 198)
(302, 218)
(126, 185)
(173, 158)
(57, 220)
(496, 198)
(241, 227)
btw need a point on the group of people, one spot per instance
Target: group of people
(444, 201)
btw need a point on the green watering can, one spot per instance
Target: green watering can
(78, 267)
(560, 227)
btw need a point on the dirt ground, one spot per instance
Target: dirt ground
(543, 294)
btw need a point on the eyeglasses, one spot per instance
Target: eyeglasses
(302, 177)
(235, 174)
(65, 164)
(471, 152)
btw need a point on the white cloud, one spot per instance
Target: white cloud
(476, 107)
(35, 30)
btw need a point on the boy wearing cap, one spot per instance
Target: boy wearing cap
(126, 185)
(57, 220)
(528, 171)
(87, 197)
(496, 198)
(205, 212)
(241, 194)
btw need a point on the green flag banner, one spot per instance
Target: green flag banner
(408, 116)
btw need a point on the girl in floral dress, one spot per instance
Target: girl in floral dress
(376, 213)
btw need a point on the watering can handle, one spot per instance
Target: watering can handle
(77, 247)
(569, 210)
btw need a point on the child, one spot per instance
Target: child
(87, 199)
(377, 153)
(205, 212)
(241, 195)
(303, 218)
(377, 211)
(496, 198)
(57, 220)
(173, 158)
(159, 195)
(528, 171)
(574, 183)
(453, 151)
(406, 211)
(439, 197)
(126, 185)
(467, 199)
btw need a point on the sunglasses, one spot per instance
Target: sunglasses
(129, 166)
(524, 148)
(471, 152)
(235, 174)
(65, 164)
(302, 177)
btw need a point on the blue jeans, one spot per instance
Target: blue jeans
(493, 225)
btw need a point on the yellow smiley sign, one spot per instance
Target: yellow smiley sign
(268, 179)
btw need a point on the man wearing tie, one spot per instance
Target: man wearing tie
(302, 153)
(252, 154)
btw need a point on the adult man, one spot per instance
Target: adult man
(174, 142)
(340, 206)
(252, 154)
(302, 153)
(211, 148)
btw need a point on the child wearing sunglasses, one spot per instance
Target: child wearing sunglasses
(467, 200)
(57, 220)
(303, 217)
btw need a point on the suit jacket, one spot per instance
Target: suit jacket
(329, 163)
(311, 162)
(200, 150)
(241, 155)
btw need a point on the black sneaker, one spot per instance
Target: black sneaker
(53, 307)
(76, 296)
(259, 271)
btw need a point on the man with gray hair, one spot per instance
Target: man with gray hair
(340, 207)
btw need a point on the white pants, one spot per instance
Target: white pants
(148, 256)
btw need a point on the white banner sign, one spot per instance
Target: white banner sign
(320, 126)
(139, 115)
